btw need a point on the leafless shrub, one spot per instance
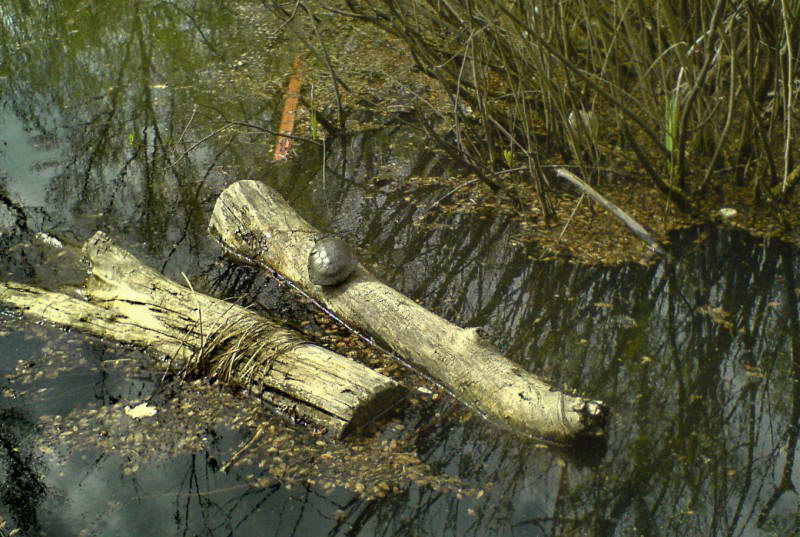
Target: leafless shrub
(691, 94)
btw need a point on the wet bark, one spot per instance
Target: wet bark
(254, 221)
(132, 303)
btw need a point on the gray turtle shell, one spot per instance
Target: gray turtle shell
(330, 262)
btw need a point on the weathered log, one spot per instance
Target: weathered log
(132, 303)
(256, 222)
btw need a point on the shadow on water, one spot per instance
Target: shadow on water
(128, 119)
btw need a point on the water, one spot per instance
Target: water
(115, 119)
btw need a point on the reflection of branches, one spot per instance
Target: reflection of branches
(276, 133)
(253, 126)
(690, 423)
(791, 312)
(337, 81)
(195, 145)
(197, 26)
(22, 489)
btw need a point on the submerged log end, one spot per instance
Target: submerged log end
(382, 399)
(361, 410)
(316, 386)
(336, 425)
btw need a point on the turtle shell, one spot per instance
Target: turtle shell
(330, 262)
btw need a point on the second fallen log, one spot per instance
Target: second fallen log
(132, 303)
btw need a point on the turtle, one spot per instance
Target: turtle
(330, 262)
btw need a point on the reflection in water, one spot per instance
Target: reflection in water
(128, 114)
(697, 357)
(22, 489)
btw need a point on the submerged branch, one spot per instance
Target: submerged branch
(635, 227)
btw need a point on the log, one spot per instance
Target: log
(132, 303)
(254, 221)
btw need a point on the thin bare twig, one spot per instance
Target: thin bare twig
(635, 227)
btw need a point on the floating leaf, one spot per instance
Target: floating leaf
(140, 411)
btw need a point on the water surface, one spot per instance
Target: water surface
(119, 119)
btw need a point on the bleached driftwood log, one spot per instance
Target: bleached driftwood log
(132, 303)
(254, 221)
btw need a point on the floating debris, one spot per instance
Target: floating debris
(142, 410)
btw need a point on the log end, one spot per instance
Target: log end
(378, 403)
(593, 416)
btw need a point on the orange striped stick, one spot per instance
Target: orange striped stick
(284, 144)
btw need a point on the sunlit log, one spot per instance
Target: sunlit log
(132, 303)
(254, 221)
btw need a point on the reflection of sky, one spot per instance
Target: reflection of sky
(23, 162)
(95, 487)
(95, 500)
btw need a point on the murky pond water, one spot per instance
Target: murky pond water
(132, 118)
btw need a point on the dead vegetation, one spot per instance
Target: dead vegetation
(687, 109)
